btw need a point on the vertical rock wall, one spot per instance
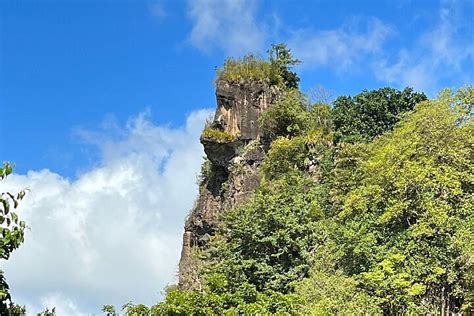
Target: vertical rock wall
(233, 170)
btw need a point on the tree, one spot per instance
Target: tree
(406, 224)
(267, 242)
(371, 113)
(281, 60)
(11, 237)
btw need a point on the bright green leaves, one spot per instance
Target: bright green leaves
(216, 135)
(310, 153)
(6, 170)
(333, 293)
(218, 298)
(250, 67)
(12, 228)
(275, 70)
(288, 117)
(411, 197)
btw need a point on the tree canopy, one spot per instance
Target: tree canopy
(364, 208)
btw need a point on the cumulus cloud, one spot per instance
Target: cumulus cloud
(234, 27)
(114, 233)
(340, 48)
(229, 25)
(443, 53)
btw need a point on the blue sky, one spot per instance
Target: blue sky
(67, 65)
(91, 91)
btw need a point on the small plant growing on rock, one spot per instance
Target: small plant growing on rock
(215, 135)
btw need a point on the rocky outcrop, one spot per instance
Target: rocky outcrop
(232, 171)
(239, 106)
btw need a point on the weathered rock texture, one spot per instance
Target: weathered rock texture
(233, 171)
(240, 105)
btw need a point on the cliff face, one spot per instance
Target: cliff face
(232, 172)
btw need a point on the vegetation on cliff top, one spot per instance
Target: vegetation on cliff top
(275, 70)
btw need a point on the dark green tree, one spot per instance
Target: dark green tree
(371, 113)
(282, 60)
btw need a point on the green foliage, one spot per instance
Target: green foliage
(216, 135)
(401, 221)
(285, 156)
(289, 117)
(371, 113)
(250, 67)
(274, 71)
(136, 310)
(463, 102)
(281, 60)
(268, 241)
(290, 155)
(11, 236)
(109, 310)
(321, 116)
(217, 298)
(378, 222)
(293, 116)
(48, 312)
(206, 172)
(334, 293)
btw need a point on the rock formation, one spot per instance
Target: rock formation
(232, 170)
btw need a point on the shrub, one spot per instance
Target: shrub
(274, 71)
(250, 67)
(297, 154)
(219, 297)
(285, 156)
(216, 135)
(289, 117)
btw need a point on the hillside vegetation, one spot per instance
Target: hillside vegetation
(365, 208)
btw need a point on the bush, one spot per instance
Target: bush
(219, 297)
(289, 117)
(250, 67)
(406, 218)
(297, 154)
(333, 293)
(274, 71)
(216, 135)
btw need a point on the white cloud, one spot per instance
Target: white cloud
(443, 53)
(114, 233)
(230, 25)
(340, 48)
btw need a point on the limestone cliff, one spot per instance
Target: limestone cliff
(232, 170)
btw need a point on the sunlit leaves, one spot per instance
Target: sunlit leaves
(11, 237)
